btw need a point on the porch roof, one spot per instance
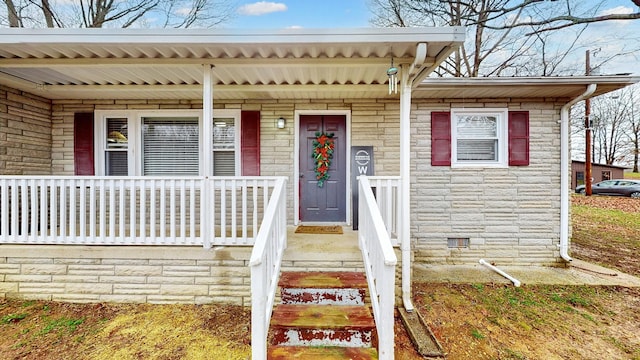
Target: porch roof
(168, 63)
(563, 87)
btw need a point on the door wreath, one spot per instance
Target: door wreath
(322, 154)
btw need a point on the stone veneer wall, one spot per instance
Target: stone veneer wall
(25, 133)
(144, 274)
(510, 215)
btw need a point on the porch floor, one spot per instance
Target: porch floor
(323, 248)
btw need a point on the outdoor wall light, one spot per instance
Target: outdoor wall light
(281, 122)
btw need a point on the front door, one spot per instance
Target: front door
(326, 203)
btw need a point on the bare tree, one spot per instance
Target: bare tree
(506, 37)
(116, 13)
(615, 125)
(632, 129)
(608, 116)
(13, 15)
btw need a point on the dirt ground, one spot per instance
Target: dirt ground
(471, 321)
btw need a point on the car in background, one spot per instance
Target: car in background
(615, 187)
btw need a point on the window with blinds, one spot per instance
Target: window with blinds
(117, 147)
(166, 143)
(170, 146)
(477, 138)
(224, 143)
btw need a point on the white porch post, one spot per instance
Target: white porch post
(207, 119)
(405, 187)
(207, 141)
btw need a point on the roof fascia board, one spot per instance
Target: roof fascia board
(528, 81)
(238, 36)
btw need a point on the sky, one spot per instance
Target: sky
(603, 39)
(301, 14)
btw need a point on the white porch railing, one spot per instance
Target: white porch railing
(380, 266)
(386, 191)
(200, 211)
(265, 263)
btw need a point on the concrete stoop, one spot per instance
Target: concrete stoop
(323, 315)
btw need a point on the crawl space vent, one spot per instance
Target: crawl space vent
(457, 243)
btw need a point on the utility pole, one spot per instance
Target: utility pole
(587, 136)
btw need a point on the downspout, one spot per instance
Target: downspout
(564, 171)
(405, 170)
(405, 173)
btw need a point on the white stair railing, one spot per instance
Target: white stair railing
(380, 266)
(265, 263)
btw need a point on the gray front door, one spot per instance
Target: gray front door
(326, 203)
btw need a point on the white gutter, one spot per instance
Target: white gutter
(418, 62)
(564, 171)
(450, 35)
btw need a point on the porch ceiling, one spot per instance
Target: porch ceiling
(168, 64)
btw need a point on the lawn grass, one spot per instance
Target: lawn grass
(605, 231)
(498, 321)
(630, 175)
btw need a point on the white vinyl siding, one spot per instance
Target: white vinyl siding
(479, 137)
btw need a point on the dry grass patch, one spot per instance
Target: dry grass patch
(49, 330)
(490, 321)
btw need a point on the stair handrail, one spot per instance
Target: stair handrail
(265, 264)
(380, 266)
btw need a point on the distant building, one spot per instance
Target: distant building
(599, 172)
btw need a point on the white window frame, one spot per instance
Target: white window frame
(502, 116)
(134, 124)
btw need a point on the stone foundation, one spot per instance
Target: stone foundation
(128, 274)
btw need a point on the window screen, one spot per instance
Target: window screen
(170, 146)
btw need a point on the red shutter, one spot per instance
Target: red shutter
(83, 144)
(250, 142)
(440, 139)
(518, 138)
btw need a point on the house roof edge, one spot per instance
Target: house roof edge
(229, 36)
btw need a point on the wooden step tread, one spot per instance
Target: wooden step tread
(322, 280)
(327, 353)
(322, 317)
